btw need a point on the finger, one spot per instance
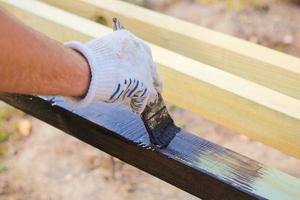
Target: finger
(139, 102)
(129, 84)
(153, 96)
(119, 92)
(136, 87)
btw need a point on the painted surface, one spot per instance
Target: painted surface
(189, 162)
(239, 171)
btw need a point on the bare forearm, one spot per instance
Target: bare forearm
(31, 63)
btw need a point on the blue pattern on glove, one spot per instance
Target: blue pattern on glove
(130, 90)
(118, 88)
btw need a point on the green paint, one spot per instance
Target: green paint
(273, 186)
(262, 181)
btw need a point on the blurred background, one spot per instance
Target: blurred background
(40, 162)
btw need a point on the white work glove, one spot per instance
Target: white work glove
(121, 68)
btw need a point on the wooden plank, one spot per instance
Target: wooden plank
(262, 65)
(195, 165)
(248, 108)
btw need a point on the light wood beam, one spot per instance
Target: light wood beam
(259, 64)
(246, 107)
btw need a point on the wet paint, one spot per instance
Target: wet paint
(191, 163)
(159, 124)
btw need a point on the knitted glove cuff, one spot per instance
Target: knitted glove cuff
(100, 62)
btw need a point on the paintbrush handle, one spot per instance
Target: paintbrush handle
(117, 24)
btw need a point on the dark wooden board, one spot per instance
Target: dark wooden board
(190, 163)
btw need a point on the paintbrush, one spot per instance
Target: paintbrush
(156, 118)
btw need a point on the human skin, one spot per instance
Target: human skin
(31, 63)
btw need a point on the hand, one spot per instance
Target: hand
(122, 68)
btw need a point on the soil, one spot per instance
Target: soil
(48, 164)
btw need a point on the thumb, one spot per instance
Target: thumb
(138, 103)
